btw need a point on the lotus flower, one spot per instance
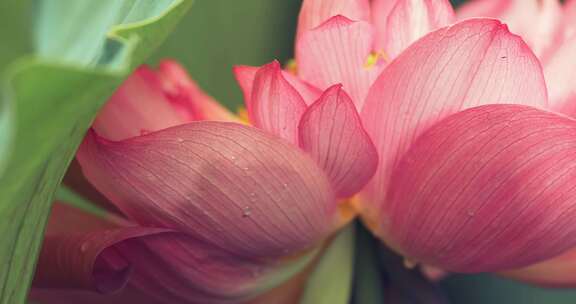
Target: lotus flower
(549, 28)
(238, 209)
(436, 134)
(449, 191)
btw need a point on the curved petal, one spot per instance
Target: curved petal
(469, 64)
(226, 184)
(155, 100)
(537, 21)
(185, 95)
(487, 189)
(331, 131)
(411, 19)
(558, 272)
(79, 251)
(315, 12)
(560, 72)
(245, 77)
(338, 51)
(104, 256)
(275, 105)
(142, 96)
(380, 10)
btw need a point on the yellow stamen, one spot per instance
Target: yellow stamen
(375, 57)
(291, 66)
(243, 115)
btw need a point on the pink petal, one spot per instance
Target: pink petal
(315, 12)
(152, 100)
(226, 184)
(185, 95)
(560, 72)
(380, 10)
(275, 105)
(558, 272)
(141, 96)
(105, 259)
(82, 256)
(411, 19)
(537, 21)
(469, 64)
(487, 189)
(331, 131)
(338, 52)
(245, 77)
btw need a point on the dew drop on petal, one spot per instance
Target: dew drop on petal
(247, 211)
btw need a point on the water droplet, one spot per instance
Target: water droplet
(285, 185)
(180, 140)
(233, 157)
(247, 211)
(471, 213)
(84, 247)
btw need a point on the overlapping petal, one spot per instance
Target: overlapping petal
(85, 257)
(275, 106)
(315, 12)
(487, 189)
(105, 254)
(331, 131)
(151, 100)
(380, 10)
(229, 185)
(245, 77)
(411, 19)
(339, 51)
(537, 21)
(471, 63)
(187, 97)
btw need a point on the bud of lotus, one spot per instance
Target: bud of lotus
(217, 211)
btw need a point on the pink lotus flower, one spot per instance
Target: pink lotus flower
(449, 211)
(549, 28)
(434, 133)
(216, 211)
